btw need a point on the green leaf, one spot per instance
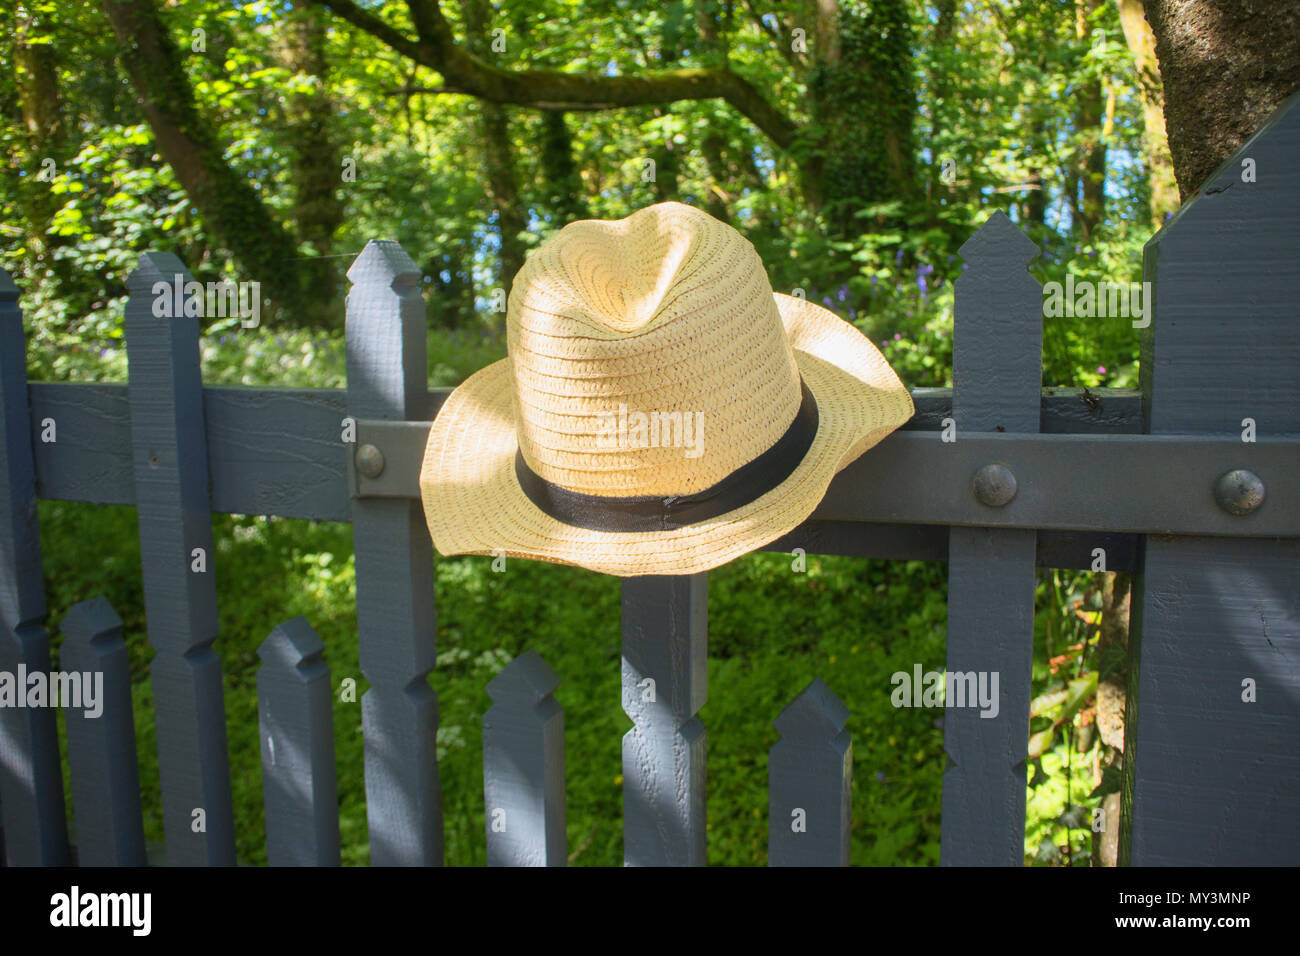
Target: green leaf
(1041, 742)
(1082, 690)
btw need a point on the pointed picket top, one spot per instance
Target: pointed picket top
(999, 240)
(1278, 136)
(156, 267)
(384, 262)
(293, 644)
(8, 288)
(816, 715)
(527, 679)
(92, 620)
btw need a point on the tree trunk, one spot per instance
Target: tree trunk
(503, 184)
(1112, 690)
(1155, 142)
(1089, 114)
(317, 210)
(562, 180)
(37, 78)
(498, 158)
(1226, 66)
(230, 208)
(863, 104)
(715, 198)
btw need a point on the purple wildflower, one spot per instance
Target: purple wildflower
(1101, 370)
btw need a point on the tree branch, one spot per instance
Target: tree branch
(551, 89)
(231, 209)
(783, 45)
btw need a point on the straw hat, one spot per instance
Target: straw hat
(660, 411)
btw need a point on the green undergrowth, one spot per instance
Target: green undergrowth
(852, 622)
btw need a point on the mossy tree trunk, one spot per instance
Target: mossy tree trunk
(318, 209)
(230, 208)
(862, 101)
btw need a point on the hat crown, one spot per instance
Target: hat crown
(648, 354)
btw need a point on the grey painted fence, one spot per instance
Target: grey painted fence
(1159, 479)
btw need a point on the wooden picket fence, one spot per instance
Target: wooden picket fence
(1157, 480)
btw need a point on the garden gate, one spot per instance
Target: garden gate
(1159, 478)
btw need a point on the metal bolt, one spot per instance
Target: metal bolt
(1239, 492)
(370, 461)
(994, 485)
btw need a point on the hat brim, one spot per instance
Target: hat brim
(473, 503)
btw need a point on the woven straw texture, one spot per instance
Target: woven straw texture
(667, 312)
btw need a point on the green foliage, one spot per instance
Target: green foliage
(852, 622)
(1067, 781)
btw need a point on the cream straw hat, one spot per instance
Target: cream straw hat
(660, 411)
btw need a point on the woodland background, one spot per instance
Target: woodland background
(856, 143)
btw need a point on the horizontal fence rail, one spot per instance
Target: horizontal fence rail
(279, 452)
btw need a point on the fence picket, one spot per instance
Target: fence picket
(169, 446)
(997, 377)
(523, 766)
(101, 749)
(296, 723)
(665, 673)
(386, 367)
(31, 780)
(1212, 772)
(810, 778)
